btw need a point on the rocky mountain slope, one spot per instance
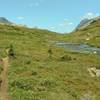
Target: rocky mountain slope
(4, 21)
(88, 35)
(86, 22)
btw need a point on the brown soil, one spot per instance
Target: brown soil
(4, 83)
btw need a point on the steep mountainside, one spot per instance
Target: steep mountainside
(4, 21)
(86, 22)
(89, 34)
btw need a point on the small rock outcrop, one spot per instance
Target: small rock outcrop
(94, 72)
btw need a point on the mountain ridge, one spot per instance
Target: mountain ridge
(4, 20)
(86, 22)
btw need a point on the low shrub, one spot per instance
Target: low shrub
(48, 83)
(66, 58)
(34, 73)
(22, 85)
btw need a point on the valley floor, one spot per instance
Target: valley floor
(54, 79)
(43, 71)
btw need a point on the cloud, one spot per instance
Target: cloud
(65, 24)
(90, 15)
(52, 28)
(35, 3)
(70, 23)
(20, 17)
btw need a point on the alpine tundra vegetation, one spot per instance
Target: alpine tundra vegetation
(50, 50)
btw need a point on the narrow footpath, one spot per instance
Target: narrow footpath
(4, 83)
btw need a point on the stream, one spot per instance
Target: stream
(81, 48)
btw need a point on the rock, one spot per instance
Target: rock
(90, 72)
(94, 72)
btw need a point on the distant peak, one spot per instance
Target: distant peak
(85, 22)
(3, 20)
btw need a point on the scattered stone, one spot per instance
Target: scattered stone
(94, 72)
(87, 39)
(94, 52)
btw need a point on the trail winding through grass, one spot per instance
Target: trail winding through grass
(4, 84)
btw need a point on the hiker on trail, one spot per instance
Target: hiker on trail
(0, 81)
(10, 51)
(50, 53)
(1, 69)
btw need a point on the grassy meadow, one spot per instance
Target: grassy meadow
(43, 71)
(89, 35)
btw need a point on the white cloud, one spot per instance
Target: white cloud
(20, 17)
(52, 28)
(65, 24)
(90, 15)
(70, 23)
(35, 3)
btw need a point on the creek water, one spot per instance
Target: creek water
(82, 48)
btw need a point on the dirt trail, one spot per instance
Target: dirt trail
(4, 84)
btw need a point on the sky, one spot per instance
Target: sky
(56, 15)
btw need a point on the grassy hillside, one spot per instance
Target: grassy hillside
(89, 35)
(43, 71)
